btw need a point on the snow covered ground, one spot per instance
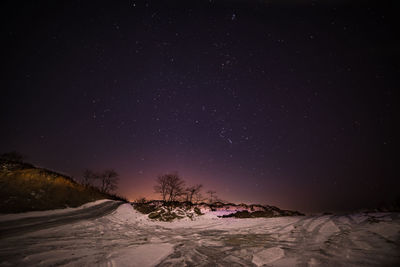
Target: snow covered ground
(34, 214)
(128, 238)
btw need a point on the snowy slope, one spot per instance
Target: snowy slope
(32, 214)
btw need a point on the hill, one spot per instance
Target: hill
(24, 187)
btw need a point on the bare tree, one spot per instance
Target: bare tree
(88, 178)
(175, 186)
(170, 186)
(109, 180)
(198, 197)
(192, 191)
(213, 195)
(161, 186)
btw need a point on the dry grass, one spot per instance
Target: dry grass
(29, 189)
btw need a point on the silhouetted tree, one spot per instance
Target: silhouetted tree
(89, 177)
(108, 180)
(212, 195)
(192, 191)
(198, 197)
(170, 186)
(161, 186)
(175, 187)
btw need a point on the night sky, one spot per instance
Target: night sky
(287, 103)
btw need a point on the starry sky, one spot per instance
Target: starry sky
(287, 103)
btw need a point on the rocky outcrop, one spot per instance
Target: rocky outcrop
(248, 211)
(159, 210)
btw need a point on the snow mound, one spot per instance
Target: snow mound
(267, 256)
(125, 212)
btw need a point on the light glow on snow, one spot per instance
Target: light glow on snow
(128, 238)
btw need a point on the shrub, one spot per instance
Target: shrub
(197, 211)
(144, 208)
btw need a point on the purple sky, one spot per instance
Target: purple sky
(283, 104)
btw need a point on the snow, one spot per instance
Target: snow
(327, 230)
(267, 256)
(125, 212)
(31, 214)
(359, 218)
(221, 212)
(128, 238)
(389, 231)
(313, 262)
(145, 255)
(317, 222)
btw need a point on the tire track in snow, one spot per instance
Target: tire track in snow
(23, 226)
